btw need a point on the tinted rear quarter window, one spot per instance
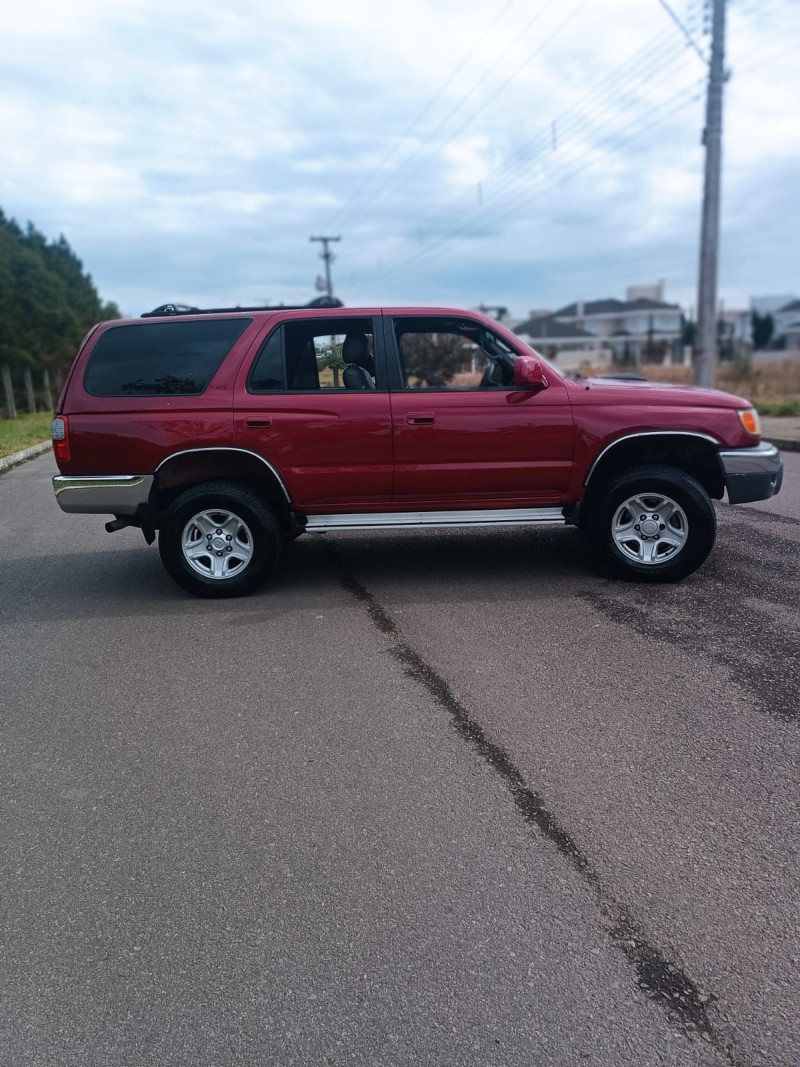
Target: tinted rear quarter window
(160, 358)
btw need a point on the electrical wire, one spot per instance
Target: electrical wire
(413, 125)
(684, 30)
(590, 107)
(570, 124)
(588, 110)
(586, 159)
(462, 100)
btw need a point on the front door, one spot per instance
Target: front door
(464, 435)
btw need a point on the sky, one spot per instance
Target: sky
(523, 153)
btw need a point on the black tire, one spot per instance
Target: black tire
(252, 533)
(675, 548)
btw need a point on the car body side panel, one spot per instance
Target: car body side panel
(609, 412)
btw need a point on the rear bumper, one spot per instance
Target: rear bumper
(103, 494)
(752, 473)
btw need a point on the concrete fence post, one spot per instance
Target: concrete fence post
(46, 389)
(27, 378)
(11, 407)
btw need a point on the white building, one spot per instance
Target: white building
(633, 329)
(569, 346)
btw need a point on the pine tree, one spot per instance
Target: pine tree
(47, 302)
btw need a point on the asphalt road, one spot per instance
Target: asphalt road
(438, 798)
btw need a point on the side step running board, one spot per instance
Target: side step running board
(405, 520)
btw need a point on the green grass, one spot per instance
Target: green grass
(24, 431)
(779, 407)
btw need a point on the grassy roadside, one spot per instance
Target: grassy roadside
(774, 388)
(24, 431)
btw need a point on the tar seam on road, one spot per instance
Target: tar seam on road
(658, 978)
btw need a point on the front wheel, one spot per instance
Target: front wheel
(653, 524)
(219, 540)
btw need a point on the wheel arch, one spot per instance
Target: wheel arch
(193, 466)
(692, 452)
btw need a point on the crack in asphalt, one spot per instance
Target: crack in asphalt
(658, 978)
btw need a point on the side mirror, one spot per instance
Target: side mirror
(529, 373)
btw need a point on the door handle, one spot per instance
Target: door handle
(420, 418)
(259, 424)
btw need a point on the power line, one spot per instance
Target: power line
(413, 125)
(462, 100)
(564, 174)
(544, 184)
(617, 78)
(685, 32)
(620, 77)
(569, 124)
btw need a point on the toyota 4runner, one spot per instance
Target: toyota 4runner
(229, 432)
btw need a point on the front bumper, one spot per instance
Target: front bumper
(751, 473)
(103, 494)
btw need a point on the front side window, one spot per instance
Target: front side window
(160, 358)
(316, 354)
(452, 354)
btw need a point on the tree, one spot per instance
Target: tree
(688, 332)
(47, 301)
(333, 360)
(434, 359)
(763, 327)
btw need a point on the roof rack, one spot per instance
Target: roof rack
(186, 309)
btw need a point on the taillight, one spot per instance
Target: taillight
(59, 431)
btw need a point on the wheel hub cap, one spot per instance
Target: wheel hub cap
(649, 528)
(217, 544)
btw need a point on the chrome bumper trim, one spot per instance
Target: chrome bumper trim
(103, 494)
(408, 520)
(760, 459)
(751, 473)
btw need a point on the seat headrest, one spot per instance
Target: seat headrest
(356, 350)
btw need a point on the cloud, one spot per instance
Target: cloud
(188, 152)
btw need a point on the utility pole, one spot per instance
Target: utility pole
(706, 352)
(328, 257)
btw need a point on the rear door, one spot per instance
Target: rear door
(464, 435)
(332, 445)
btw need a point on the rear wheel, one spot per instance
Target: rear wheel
(652, 524)
(219, 540)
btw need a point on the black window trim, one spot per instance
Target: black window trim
(249, 381)
(381, 377)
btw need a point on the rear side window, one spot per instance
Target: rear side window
(309, 355)
(160, 358)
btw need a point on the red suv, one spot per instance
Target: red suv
(229, 432)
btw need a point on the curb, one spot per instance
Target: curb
(785, 444)
(7, 462)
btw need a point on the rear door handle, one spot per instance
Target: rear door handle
(259, 424)
(420, 418)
